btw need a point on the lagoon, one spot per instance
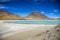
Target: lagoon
(53, 22)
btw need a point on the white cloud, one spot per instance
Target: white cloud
(55, 10)
(42, 12)
(3, 7)
(52, 14)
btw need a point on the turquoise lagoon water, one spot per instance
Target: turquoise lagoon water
(35, 22)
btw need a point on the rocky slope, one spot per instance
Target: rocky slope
(4, 15)
(52, 34)
(36, 16)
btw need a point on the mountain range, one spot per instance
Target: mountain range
(36, 16)
(4, 15)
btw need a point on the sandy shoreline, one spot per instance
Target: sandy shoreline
(11, 31)
(22, 31)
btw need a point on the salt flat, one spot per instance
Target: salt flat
(10, 31)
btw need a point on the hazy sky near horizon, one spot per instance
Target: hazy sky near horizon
(50, 8)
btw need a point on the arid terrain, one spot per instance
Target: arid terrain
(29, 32)
(52, 34)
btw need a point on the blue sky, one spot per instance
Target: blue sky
(50, 8)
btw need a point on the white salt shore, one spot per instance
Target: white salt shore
(10, 31)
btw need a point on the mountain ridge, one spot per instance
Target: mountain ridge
(36, 15)
(5, 15)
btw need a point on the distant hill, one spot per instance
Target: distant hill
(4, 15)
(36, 16)
(58, 18)
(54, 18)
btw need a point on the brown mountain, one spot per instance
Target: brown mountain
(54, 18)
(36, 16)
(4, 15)
(58, 18)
